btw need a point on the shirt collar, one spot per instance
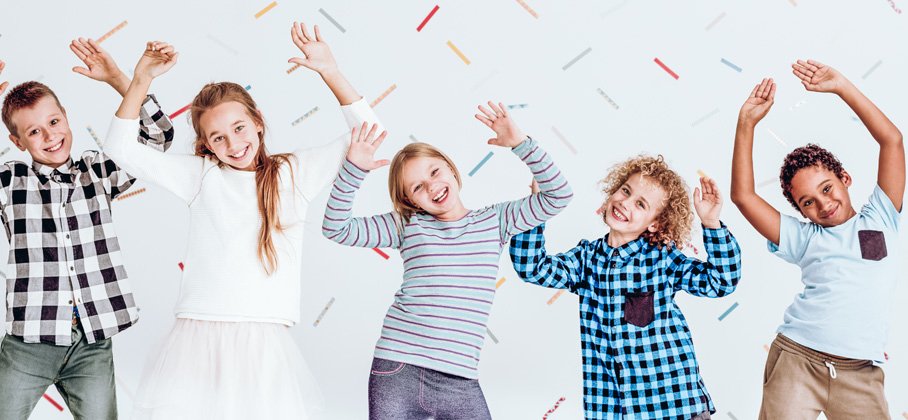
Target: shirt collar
(626, 250)
(62, 173)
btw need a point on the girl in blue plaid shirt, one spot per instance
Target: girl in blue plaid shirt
(638, 354)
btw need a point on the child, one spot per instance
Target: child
(427, 357)
(67, 292)
(230, 354)
(822, 359)
(638, 353)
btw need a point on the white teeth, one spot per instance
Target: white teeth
(241, 154)
(55, 148)
(618, 215)
(441, 194)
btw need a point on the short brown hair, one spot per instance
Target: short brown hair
(675, 220)
(398, 191)
(805, 157)
(24, 96)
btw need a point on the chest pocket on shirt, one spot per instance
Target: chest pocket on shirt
(873, 244)
(639, 308)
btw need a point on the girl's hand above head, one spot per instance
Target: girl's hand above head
(100, 65)
(363, 144)
(508, 134)
(317, 54)
(758, 103)
(818, 77)
(4, 84)
(157, 59)
(708, 202)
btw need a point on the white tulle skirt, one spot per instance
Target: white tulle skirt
(228, 370)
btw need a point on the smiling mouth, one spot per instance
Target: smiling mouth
(831, 213)
(441, 196)
(241, 154)
(54, 148)
(618, 215)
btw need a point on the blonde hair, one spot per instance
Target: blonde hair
(397, 190)
(267, 167)
(673, 224)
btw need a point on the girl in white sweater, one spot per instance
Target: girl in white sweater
(230, 354)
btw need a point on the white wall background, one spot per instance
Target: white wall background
(517, 59)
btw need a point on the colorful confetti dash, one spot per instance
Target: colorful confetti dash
(266, 9)
(248, 87)
(728, 311)
(492, 336)
(306, 115)
(481, 162)
(552, 410)
(607, 98)
(5, 150)
(517, 106)
(331, 19)
(528, 8)
(426, 20)
(701, 174)
(705, 117)
(867, 73)
(564, 140)
(413, 138)
(732, 416)
(53, 403)
(322, 315)
(730, 64)
(577, 58)
(180, 111)
(776, 136)
(293, 68)
(664, 67)
(122, 197)
(555, 297)
(180, 264)
(459, 54)
(382, 253)
(500, 282)
(715, 21)
(112, 31)
(899, 11)
(383, 95)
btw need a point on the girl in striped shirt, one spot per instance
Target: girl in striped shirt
(427, 355)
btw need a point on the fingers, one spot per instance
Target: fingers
(79, 49)
(371, 133)
(82, 70)
(2, 65)
(381, 138)
(496, 109)
(318, 35)
(698, 195)
(95, 47)
(764, 85)
(484, 120)
(813, 66)
(296, 35)
(489, 114)
(771, 97)
(753, 93)
(354, 134)
(306, 36)
(380, 163)
(3, 87)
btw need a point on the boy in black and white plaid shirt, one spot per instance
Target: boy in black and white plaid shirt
(66, 289)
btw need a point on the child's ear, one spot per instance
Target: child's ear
(654, 227)
(846, 178)
(15, 140)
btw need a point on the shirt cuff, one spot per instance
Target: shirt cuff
(525, 146)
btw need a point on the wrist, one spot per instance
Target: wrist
(711, 223)
(330, 73)
(745, 123)
(518, 140)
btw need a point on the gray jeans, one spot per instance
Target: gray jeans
(400, 391)
(83, 374)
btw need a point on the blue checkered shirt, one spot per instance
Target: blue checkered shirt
(638, 354)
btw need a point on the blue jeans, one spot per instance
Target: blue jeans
(402, 391)
(82, 372)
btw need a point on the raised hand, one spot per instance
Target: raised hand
(818, 77)
(758, 103)
(708, 202)
(4, 84)
(363, 144)
(99, 65)
(317, 54)
(508, 134)
(156, 60)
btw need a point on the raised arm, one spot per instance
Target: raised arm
(560, 271)
(716, 277)
(761, 215)
(818, 77)
(4, 84)
(523, 214)
(339, 225)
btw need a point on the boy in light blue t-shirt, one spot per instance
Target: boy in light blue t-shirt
(823, 357)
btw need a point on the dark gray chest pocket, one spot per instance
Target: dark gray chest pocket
(873, 244)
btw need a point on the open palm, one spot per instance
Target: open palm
(156, 60)
(99, 65)
(708, 202)
(508, 134)
(363, 145)
(817, 77)
(759, 102)
(4, 84)
(317, 54)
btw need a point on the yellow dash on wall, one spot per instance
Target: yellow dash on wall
(701, 174)
(555, 297)
(459, 54)
(528, 8)
(500, 282)
(292, 69)
(130, 194)
(112, 31)
(383, 95)
(266, 9)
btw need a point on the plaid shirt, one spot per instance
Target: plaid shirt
(63, 252)
(638, 355)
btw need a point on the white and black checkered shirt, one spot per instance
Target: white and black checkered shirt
(63, 249)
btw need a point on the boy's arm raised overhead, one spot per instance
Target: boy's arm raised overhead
(762, 215)
(818, 77)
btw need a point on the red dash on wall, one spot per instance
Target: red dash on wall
(54, 403)
(180, 111)
(382, 253)
(181, 265)
(664, 67)
(426, 20)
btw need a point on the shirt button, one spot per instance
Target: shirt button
(67, 236)
(72, 268)
(613, 264)
(70, 302)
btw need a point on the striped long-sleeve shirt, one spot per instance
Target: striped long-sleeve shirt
(439, 314)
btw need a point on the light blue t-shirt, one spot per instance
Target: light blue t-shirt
(849, 273)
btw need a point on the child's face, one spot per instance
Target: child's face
(43, 131)
(430, 184)
(232, 134)
(634, 208)
(822, 197)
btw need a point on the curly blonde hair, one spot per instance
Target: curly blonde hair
(674, 222)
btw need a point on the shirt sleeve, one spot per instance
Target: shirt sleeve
(559, 271)
(880, 208)
(716, 277)
(794, 235)
(339, 225)
(531, 211)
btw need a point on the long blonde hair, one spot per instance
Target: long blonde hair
(398, 190)
(267, 167)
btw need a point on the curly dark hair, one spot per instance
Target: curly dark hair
(805, 157)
